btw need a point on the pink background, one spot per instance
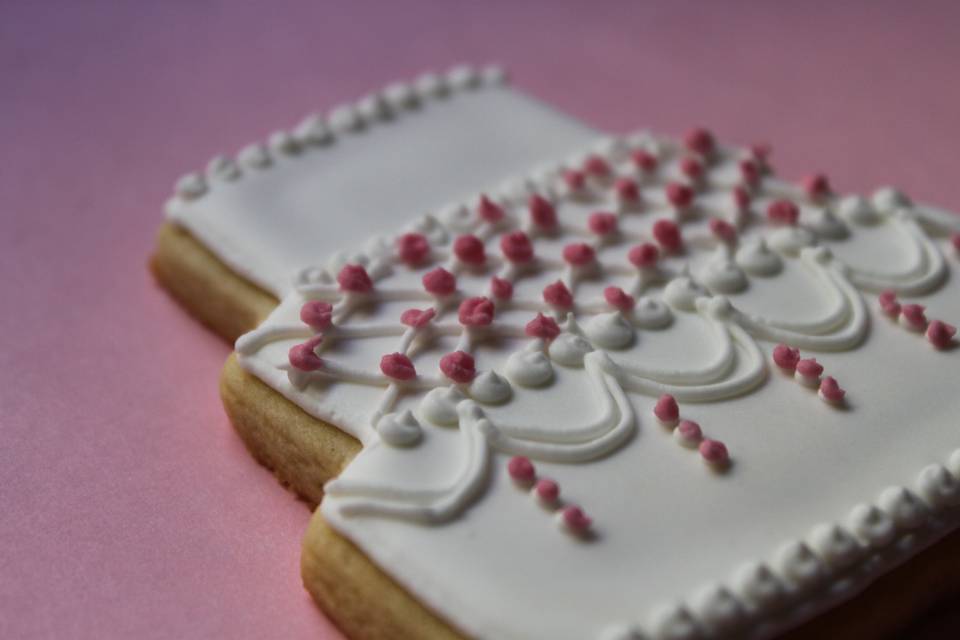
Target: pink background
(129, 508)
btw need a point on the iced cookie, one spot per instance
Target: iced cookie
(656, 393)
(238, 231)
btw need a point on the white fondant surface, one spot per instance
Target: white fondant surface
(445, 520)
(272, 221)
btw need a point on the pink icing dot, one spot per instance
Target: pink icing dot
(542, 327)
(469, 249)
(440, 282)
(489, 211)
(459, 366)
(940, 334)
(558, 295)
(915, 315)
(816, 186)
(689, 430)
(318, 315)
(741, 198)
(889, 304)
(547, 490)
(699, 140)
(575, 180)
(627, 190)
(783, 212)
(691, 168)
(303, 356)
(750, 172)
(955, 241)
(644, 255)
(517, 247)
(761, 151)
(353, 278)
(397, 366)
(575, 519)
(501, 288)
(521, 469)
(417, 318)
(578, 254)
(643, 160)
(667, 410)
(679, 195)
(602, 223)
(667, 234)
(476, 312)
(785, 357)
(542, 212)
(596, 167)
(809, 368)
(619, 299)
(723, 230)
(714, 452)
(413, 248)
(831, 391)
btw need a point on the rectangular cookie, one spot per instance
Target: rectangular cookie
(239, 229)
(656, 393)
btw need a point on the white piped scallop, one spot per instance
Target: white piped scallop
(494, 74)
(871, 525)
(790, 240)
(569, 349)
(756, 583)
(938, 488)
(826, 225)
(190, 186)
(373, 108)
(345, 118)
(490, 388)
(399, 430)
(430, 85)
(756, 258)
(651, 313)
(223, 168)
(722, 275)
(887, 199)
(835, 546)
(682, 293)
(529, 367)
(282, 143)
(717, 608)
(439, 406)
(610, 330)
(796, 562)
(903, 507)
(673, 622)
(856, 210)
(313, 130)
(463, 77)
(255, 156)
(400, 95)
(458, 217)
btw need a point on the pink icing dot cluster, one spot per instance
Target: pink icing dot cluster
(914, 317)
(808, 371)
(689, 433)
(547, 492)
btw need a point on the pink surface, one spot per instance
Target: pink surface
(129, 506)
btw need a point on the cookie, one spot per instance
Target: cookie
(658, 393)
(238, 230)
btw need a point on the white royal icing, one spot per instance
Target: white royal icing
(332, 181)
(791, 525)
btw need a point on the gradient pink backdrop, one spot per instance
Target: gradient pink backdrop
(129, 508)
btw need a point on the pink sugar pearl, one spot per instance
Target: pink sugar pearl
(353, 278)
(489, 211)
(542, 212)
(543, 327)
(317, 314)
(688, 433)
(547, 490)
(521, 469)
(413, 248)
(397, 366)
(830, 391)
(667, 410)
(558, 295)
(576, 520)
(714, 452)
(786, 358)
(303, 356)
(440, 282)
